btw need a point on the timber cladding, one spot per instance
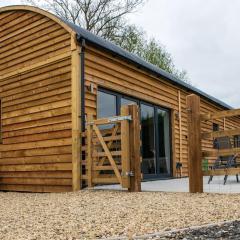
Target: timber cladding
(105, 71)
(35, 92)
(40, 86)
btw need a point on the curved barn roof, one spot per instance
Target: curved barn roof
(117, 51)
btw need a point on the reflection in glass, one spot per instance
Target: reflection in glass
(148, 140)
(125, 101)
(106, 105)
(164, 166)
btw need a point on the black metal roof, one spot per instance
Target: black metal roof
(107, 45)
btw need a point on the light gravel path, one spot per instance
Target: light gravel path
(99, 214)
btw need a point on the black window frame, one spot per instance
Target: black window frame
(139, 102)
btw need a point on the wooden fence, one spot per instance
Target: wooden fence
(195, 137)
(112, 150)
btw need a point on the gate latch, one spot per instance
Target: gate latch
(128, 174)
(121, 118)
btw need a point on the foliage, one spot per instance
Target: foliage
(134, 40)
(107, 18)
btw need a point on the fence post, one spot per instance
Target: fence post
(125, 148)
(135, 153)
(89, 151)
(194, 144)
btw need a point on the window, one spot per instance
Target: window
(163, 130)
(148, 139)
(155, 130)
(106, 105)
(215, 127)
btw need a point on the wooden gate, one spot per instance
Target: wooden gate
(113, 150)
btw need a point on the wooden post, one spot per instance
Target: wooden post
(89, 152)
(125, 147)
(194, 144)
(76, 119)
(180, 127)
(135, 151)
(173, 122)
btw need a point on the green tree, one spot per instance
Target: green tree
(107, 18)
(134, 40)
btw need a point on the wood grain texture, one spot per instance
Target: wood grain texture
(106, 71)
(35, 90)
(195, 158)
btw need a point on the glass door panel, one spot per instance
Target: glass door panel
(125, 101)
(106, 105)
(148, 140)
(163, 134)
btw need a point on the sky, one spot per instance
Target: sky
(203, 37)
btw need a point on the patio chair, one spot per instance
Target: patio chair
(223, 162)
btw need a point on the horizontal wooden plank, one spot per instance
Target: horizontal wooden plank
(61, 158)
(222, 152)
(110, 180)
(26, 60)
(37, 109)
(30, 60)
(39, 137)
(222, 172)
(217, 134)
(18, 22)
(100, 168)
(37, 130)
(38, 115)
(221, 114)
(50, 74)
(48, 121)
(64, 94)
(47, 151)
(35, 144)
(108, 139)
(37, 167)
(37, 65)
(103, 154)
(42, 174)
(24, 30)
(35, 31)
(25, 44)
(35, 188)
(36, 181)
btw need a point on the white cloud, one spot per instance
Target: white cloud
(203, 37)
(9, 2)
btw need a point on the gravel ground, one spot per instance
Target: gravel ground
(104, 214)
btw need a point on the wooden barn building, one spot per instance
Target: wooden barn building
(52, 74)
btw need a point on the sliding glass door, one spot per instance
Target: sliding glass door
(163, 146)
(155, 134)
(148, 140)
